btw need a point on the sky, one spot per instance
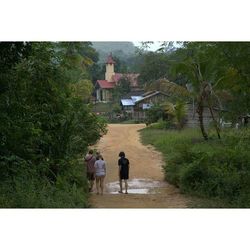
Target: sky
(153, 47)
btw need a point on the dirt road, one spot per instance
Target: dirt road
(147, 189)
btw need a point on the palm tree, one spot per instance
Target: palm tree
(176, 112)
(199, 63)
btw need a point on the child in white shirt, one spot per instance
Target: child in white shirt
(100, 173)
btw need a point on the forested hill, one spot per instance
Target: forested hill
(120, 49)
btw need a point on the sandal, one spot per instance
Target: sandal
(120, 192)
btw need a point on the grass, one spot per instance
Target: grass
(102, 107)
(28, 189)
(215, 172)
(166, 140)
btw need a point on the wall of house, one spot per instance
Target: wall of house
(128, 109)
(98, 95)
(103, 95)
(139, 115)
(192, 117)
(107, 95)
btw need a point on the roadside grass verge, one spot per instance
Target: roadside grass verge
(217, 172)
(30, 189)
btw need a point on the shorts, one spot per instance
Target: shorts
(91, 176)
(124, 174)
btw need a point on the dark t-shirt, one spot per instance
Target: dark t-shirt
(124, 168)
(123, 162)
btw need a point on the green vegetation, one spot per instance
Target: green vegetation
(216, 75)
(216, 171)
(119, 49)
(101, 107)
(46, 124)
(124, 54)
(167, 115)
(154, 67)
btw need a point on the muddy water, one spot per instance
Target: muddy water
(147, 188)
(136, 186)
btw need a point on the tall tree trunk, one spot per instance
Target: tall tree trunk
(214, 120)
(200, 109)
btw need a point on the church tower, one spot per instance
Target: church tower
(110, 63)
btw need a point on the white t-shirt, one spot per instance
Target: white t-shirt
(100, 168)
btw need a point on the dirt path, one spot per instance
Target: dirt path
(147, 189)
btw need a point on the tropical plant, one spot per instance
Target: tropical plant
(175, 113)
(199, 64)
(173, 90)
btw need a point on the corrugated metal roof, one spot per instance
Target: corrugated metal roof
(151, 94)
(127, 102)
(136, 98)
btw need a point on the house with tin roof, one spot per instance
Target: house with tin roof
(104, 88)
(136, 106)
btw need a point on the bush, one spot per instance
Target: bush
(215, 169)
(45, 125)
(154, 114)
(162, 124)
(28, 188)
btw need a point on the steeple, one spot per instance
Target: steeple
(109, 68)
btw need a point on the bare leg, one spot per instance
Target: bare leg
(91, 185)
(120, 182)
(126, 186)
(97, 184)
(101, 183)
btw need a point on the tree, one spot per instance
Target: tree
(236, 84)
(120, 65)
(122, 88)
(204, 70)
(155, 66)
(82, 89)
(44, 125)
(168, 87)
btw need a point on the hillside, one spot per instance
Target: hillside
(123, 50)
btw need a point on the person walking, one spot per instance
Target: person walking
(123, 171)
(90, 160)
(98, 153)
(100, 173)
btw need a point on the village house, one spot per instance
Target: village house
(192, 119)
(136, 106)
(104, 88)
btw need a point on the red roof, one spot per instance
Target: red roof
(105, 84)
(110, 60)
(131, 77)
(116, 77)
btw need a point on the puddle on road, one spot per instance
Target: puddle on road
(136, 186)
(134, 191)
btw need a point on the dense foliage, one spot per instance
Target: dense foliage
(216, 74)
(154, 67)
(46, 124)
(215, 170)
